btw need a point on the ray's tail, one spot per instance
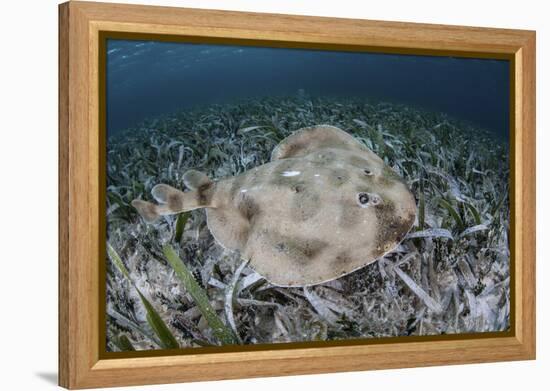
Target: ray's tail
(173, 201)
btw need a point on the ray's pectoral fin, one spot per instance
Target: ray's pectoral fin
(173, 201)
(306, 140)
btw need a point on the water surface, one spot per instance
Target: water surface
(149, 78)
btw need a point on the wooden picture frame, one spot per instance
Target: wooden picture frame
(82, 161)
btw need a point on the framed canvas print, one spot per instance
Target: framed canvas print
(251, 195)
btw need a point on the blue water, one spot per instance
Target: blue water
(147, 79)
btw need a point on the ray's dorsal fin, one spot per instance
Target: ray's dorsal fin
(173, 201)
(194, 179)
(305, 140)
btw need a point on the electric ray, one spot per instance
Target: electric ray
(324, 206)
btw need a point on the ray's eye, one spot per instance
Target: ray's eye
(367, 172)
(368, 199)
(363, 198)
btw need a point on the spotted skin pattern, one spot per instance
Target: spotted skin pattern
(323, 207)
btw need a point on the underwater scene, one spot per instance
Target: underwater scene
(262, 195)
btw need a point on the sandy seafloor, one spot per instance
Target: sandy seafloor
(450, 275)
